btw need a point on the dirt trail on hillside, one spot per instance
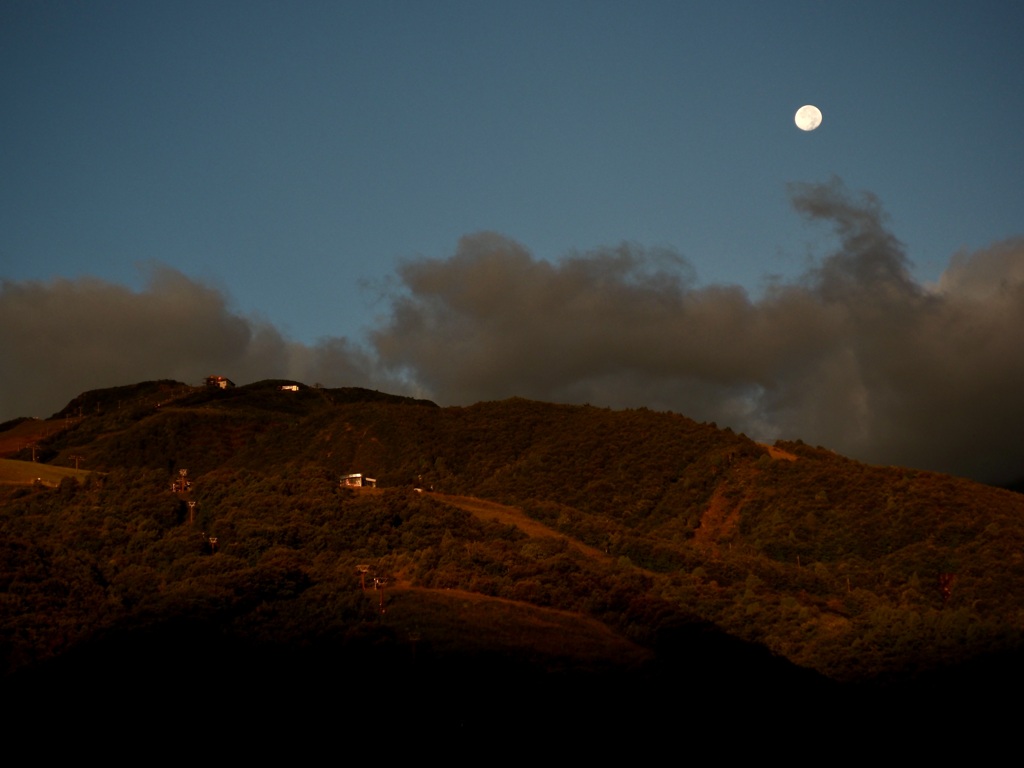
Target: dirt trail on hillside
(489, 510)
(778, 453)
(719, 522)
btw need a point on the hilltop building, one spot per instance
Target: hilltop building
(219, 382)
(358, 480)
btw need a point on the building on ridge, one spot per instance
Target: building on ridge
(219, 382)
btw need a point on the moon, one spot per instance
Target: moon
(807, 118)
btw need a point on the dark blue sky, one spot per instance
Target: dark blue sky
(291, 152)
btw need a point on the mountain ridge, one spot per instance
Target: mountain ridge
(641, 521)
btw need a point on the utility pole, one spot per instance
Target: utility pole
(76, 458)
(191, 512)
(379, 584)
(182, 485)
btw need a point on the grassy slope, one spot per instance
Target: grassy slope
(26, 472)
(24, 433)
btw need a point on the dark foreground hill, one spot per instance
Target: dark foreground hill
(517, 560)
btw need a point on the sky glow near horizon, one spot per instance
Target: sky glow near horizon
(326, 191)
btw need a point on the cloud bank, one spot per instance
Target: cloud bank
(855, 355)
(63, 337)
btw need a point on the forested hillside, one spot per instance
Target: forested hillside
(618, 545)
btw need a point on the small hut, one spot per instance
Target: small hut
(219, 382)
(358, 480)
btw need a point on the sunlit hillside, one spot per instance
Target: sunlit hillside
(586, 546)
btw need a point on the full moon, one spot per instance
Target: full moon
(807, 118)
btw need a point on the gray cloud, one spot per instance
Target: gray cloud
(62, 337)
(855, 355)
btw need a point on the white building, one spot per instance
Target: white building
(358, 480)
